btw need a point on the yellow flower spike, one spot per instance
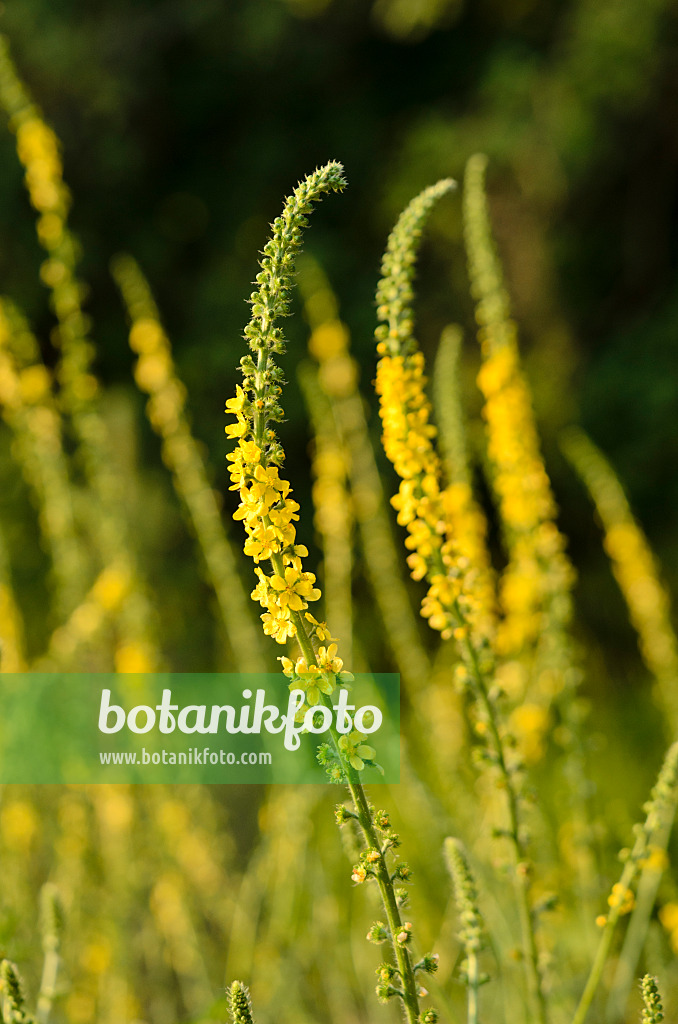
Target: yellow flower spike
(634, 567)
(452, 601)
(535, 588)
(261, 385)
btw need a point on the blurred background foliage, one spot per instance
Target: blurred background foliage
(183, 123)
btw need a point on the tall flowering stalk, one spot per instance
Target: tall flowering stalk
(535, 586)
(536, 663)
(269, 513)
(648, 601)
(452, 604)
(338, 380)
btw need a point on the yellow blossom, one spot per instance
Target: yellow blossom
(313, 680)
(621, 898)
(355, 750)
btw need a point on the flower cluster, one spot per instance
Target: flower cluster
(538, 571)
(266, 507)
(332, 395)
(323, 675)
(407, 439)
(442, 549)
(268, 514)
(239, 1003)
(38, 151)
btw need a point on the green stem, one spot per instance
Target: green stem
(521, 880)
(472, 987)
(382, 874)
(602, 954)
(636, 933)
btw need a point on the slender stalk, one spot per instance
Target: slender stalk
(366, 823)
(268, 514)
(454, 604)
(603, 950)
(50, 974)
(521, 868)
(472, 934)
